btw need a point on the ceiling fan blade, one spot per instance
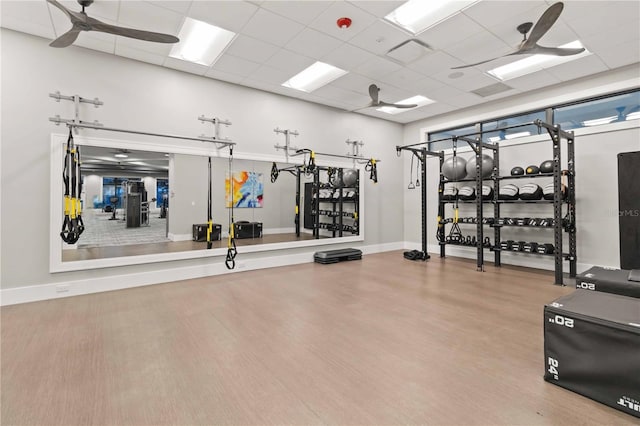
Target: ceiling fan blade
(555, 51)
(66, 39)
(546, 21)
(386, 104)
(131, 32)
(370, 105)
(373, 92)
(61, 7)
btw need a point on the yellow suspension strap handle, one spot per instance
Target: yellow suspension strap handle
(230, 261)
(312, 162)
(209, 212)
(68, 232)
(79, 198)
(456, 215)
(372, 168)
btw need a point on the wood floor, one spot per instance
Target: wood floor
(380, 341)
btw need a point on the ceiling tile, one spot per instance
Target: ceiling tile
(378, 8)
(288, 61)
(271, 28)
(379, 38)
(347, 56)
(434, 62)
(258, 84)
(235, 65)
(97, 41)
(230, 15)
(591, 17)
(185, 66)
(610, 38)
(15, 13)
(303, 12)
(533, 81)
(463, 100)
(478, 48)
(621, 55)
(312, 43)
(148, 17)
(140, 55)
(354, 82)
(491, 13)
(99, 10)
(270, 75)
(471, 80)
(221, 75)
(181, 7)
(251, 48)
(579, 68)
(326, 22)
(342, 95)
(404, 78)
(451, 31)
(377, 67)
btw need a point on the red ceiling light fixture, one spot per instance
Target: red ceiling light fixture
(344, 22)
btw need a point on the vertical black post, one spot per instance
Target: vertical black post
(316, 207)
(423, 187)
(496, 204)
(571, 205)
(557, 204)
(479, 207)
(297, 217)
(340, 204)
(356, 205)
(440, 204)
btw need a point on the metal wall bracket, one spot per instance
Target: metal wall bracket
(287, 141)
(216, 138)
(77, 100)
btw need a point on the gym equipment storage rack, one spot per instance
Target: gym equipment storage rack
(560, 224)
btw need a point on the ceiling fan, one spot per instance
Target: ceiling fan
(376, 102)
(530, 46)
(81, 22)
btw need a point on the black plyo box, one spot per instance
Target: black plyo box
(247, 230)
(592, 347)
(609, 281)
(199, 231)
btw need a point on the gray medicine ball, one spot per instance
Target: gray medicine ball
(486, 167)
(454, 168)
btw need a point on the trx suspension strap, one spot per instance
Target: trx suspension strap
(274, 172)
(209, 214)
(372, 168)
(78, 199)
(230, 261)
(70, 232)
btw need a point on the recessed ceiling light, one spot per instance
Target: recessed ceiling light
(536, 63)
(419, 100)
(314, 77)
(599, 121)
(200, 42)
(121, 155)
(416, 16)
(517, 135)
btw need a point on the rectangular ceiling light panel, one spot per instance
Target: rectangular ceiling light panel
(314, 77)
(416, 16)
(419, 100)
(201, 43)
(535, 63)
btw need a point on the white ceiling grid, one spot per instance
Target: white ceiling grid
(278, 39)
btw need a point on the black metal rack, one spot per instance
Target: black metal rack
(559, 225)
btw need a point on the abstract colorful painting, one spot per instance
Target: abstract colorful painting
(248, 189)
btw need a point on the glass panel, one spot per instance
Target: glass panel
(601, 111)
(514, 133)
(448, 144)
(162, 191)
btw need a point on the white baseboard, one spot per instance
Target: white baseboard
(269, 231)
(12, 296)
(180, 237)
(519, 259)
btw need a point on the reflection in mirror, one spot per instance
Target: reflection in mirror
(143, 203)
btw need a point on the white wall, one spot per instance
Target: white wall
(146, 97)
(92, 187)
(596, 172)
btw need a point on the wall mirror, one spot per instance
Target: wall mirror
(146, 202)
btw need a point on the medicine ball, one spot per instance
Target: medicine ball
(349, 177)
(335, 180)
(532, 170)
(548, 190)
(546, 166)
(487, 192)
(467, 193)
(486, 167)
(517, 171)
(508, 192)
(450, 193)
(530, 191)
(454, 168)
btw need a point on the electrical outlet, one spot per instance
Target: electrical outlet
(62, 288)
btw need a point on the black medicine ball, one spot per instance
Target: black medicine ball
(517, 171)
(533, 170)
(546, 167)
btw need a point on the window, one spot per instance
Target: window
(513, 133)
(448, 144)
(596, 112)
(112, 188)
(162, 192)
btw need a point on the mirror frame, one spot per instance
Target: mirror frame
(58, 142)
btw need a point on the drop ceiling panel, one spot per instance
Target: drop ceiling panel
(99, 10)
(270, 75)
(462, 100)
(146, 16)
(471, 80)
(272, 28)
(347, 56)
(533, 81)
(447, 33)
(303, 12)
(491, 13)
(621, 55)
(221, 75)
(97, 41)
(378, 8)
(589, 17)
(181, 7)
(139, 55)
(156, 48)
(342, 95)
(354, 82)
(251, 48)
(235, 65)
(326, 22)
(289, 62)
(611, 38)
(39, 22)
(434, 62)
(185, 66)
(478, 48)
(578, 68)
(377, 67)
(404, 78)
(230, 15)
(312, 43)
(379, 38)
